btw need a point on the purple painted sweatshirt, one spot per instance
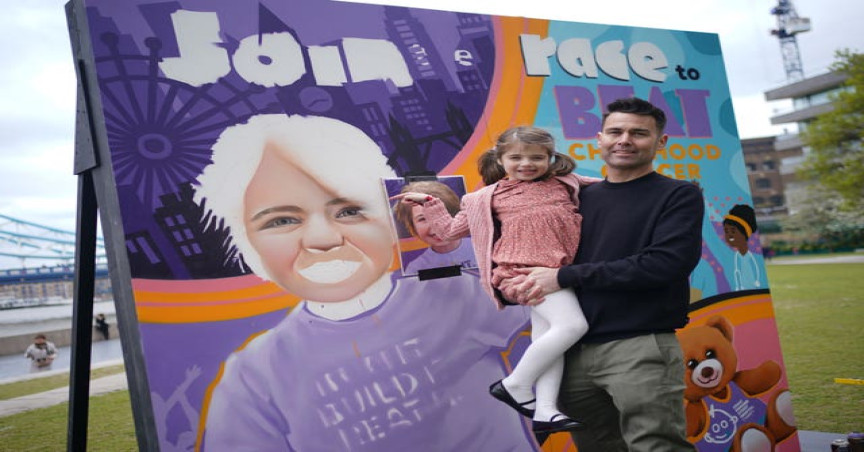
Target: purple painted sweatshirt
(412, 374)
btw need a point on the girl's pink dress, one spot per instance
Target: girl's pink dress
(547, 236)
(539, 226)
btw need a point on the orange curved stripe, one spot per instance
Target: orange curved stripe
(212, 300)
(186, 313)
(513, 98)
(559, 442)
(412, 244)
(207, 296)
(208, 393)
(737, 310)
(207, 300)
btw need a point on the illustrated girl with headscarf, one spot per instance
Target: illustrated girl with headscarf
(738, 225)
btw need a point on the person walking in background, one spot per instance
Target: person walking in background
(102, 326)
(642, 239)
(41, 353)
(527, 215)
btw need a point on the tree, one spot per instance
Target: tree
(836, 159)
(820, 221)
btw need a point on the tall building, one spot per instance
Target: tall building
(810, 98)
(767, 184)
(417, 46)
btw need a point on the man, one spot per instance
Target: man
(41, 353)
(641, 239)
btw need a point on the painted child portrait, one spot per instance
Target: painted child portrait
(368, 360)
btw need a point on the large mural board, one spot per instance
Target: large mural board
(225, 129)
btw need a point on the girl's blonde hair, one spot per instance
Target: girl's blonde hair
(491, 171)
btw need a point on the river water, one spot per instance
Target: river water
(14, 322)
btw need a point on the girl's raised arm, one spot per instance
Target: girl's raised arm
(412, 198)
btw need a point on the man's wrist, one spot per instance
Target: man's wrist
(559, 275)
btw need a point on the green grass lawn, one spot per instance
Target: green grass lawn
(36, 385)
(820, 315)
(110, 427)
(819, 310)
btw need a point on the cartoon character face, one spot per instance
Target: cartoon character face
(706, 373)
(525, 162)
(629, 142)
(735, 238)
(313, 243)
(709, 357)
(723, 426)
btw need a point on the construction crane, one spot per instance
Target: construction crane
(789, 25)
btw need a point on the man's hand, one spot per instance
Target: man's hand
(512, 291)
(539, 281)
(531, 287)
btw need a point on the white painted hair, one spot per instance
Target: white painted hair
(338, 155)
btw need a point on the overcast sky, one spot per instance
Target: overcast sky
(37, 82)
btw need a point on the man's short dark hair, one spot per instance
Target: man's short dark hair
(637, 106)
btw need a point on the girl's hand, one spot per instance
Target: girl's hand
(516, 290)
(412, 198)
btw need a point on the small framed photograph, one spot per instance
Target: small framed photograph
(421, 250)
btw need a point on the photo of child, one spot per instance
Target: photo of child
(438, 252)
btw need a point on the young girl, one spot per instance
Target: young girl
(526, 216)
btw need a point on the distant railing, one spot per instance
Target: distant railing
(46, 273)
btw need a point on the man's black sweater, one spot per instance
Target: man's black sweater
(640, 241)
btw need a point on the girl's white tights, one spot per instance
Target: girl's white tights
(556, 324)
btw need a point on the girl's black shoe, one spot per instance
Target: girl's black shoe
(500, 392)
(561, 424)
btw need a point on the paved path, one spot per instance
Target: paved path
(101, 353)
(850, 259)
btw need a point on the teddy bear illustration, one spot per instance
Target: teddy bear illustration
(724, 405)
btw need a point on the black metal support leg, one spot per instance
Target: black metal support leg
(82, 314)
